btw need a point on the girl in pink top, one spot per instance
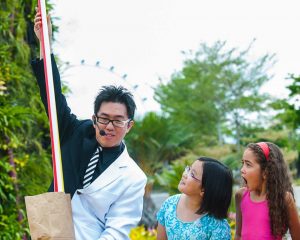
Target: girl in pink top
(265, 208)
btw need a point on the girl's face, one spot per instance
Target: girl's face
(191, 179)
(251, 171)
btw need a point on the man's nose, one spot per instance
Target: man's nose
(110, 125)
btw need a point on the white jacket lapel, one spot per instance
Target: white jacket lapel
(112, 173)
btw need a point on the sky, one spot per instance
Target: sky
(144, 40)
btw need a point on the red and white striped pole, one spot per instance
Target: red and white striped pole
(56, 154)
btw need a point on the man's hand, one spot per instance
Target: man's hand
(38, 28)
(38, 25)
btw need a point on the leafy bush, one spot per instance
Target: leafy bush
(24, 147)
(10, 228)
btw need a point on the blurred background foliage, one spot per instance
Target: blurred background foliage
(25, 160)
(213, 106)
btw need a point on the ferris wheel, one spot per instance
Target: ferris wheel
(85, 78)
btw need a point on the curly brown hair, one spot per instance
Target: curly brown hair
(278, 183)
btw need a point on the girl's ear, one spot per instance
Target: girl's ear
(264, 175)
(202, 192)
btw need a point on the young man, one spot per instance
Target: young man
(105, 184)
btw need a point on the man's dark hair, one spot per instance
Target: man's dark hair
(116, 94)
(217, 184)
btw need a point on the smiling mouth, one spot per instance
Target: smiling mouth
(109, 135)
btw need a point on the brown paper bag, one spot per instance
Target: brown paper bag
(50, 216)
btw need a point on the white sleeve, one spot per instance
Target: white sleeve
(125, 213)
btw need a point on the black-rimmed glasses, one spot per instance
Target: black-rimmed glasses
(116, 123)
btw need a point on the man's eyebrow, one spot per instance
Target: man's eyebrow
(115, 116)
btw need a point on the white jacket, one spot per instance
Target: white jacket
(112, 205)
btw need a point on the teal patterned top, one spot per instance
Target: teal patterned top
(205, 227)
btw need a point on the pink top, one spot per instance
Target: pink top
(255, 219)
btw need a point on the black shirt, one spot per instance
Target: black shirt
(107, 156)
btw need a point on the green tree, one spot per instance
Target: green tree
(216, 89)
(289, 116)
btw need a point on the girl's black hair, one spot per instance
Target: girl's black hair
(217, 185)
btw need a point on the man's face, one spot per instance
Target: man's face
(114, 134)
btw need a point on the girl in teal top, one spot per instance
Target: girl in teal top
(200, 210)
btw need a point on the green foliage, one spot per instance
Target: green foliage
(10, 228)
(290, 115)
(154, 141)
(24, 148)
(216, 88)
(297, 182)
(170, 176)
(289, 118)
